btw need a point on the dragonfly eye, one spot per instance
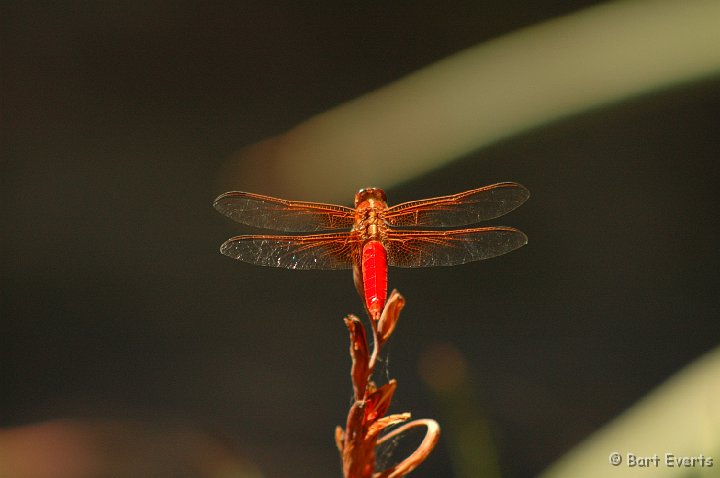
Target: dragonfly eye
(370, 193)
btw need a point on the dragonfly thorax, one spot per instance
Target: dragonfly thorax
(368, 220)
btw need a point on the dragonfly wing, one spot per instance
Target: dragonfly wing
(448, 248)
(282, 215)
(460, 209)
(318, 251)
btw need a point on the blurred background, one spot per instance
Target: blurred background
(129, 343)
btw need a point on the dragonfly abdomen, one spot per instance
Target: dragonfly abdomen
(374, 272)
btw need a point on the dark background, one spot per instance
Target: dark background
(116, 120)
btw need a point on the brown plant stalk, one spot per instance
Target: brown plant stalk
(366, 420)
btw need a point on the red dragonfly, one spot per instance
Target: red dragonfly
(371, 236)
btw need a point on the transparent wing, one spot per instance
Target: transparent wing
(282, 215)
(317, 251)
(448, 248)
(459, 209)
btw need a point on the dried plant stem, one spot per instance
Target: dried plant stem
(376, 348)
(418, 456)
(366, 419)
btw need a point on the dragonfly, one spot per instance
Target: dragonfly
(372, 235)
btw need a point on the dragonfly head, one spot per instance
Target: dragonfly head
(366, 194)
